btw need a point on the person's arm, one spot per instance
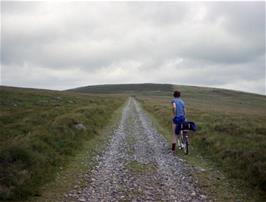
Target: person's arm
(174, 109)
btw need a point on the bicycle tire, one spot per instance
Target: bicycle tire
(186, 148)
(185, 142)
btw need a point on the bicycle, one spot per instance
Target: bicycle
(186, 127)
(184, 141)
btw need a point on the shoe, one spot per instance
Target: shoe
(173, 147)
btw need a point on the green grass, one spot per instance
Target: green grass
(140, 168)
(39, 137)
(131, 141)
(129, 89)
(231, 132)
(73, 175)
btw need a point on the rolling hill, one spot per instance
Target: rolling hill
(131, 89)
(231, 135)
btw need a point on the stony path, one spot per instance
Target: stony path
(138, 165)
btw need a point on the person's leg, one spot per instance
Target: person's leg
(179, 140)
(178, 136)
(173, 137)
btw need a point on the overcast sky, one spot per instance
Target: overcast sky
(65, 45)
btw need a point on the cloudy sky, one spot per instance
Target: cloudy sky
(58, 45)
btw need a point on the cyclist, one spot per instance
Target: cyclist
(178, 108)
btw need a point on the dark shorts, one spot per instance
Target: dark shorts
(178, 120)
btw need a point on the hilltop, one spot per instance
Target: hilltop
(194, 94)
(145, 89)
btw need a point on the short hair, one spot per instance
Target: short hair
(177, 94)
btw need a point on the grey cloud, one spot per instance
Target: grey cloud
(135, 41)
(241, 17)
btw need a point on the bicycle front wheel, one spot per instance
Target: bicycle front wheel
(185, 142)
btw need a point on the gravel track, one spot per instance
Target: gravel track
(137, 165)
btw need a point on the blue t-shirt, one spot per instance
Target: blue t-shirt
(180, 106)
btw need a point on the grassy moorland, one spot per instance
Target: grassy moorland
(40, 135)
(128, 89)
(41, 130)
(231, 134)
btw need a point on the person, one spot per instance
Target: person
(178, 109)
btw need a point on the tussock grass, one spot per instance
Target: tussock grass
(39, 134)
(133, 89)
(140, 168)
(231, 131)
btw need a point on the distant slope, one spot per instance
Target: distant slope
(159, 89)
(147, 88)
(190, 93)
(215, 97)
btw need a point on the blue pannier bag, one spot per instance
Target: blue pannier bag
(188, 125)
